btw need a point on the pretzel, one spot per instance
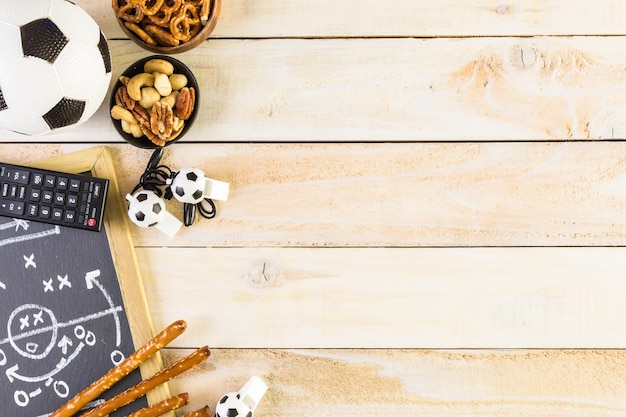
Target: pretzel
(161, 377)
(161, 18)
(140, 32)
(204, 11)
(183, 22)
(176, 4)
(163, 407)
(120, 371)
(128, 11)
(162, 36)
(203, 412)
(148, 9)
(163, 22)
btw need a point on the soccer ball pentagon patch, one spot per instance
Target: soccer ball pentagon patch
(230, 405)
(55, 66)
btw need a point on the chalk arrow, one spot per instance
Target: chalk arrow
(64, 344)
(12, 373)
(91, 279)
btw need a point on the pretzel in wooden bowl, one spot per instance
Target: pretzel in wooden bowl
(167, 26)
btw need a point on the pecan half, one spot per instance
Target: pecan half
(162, 120)
(185, 102)
(123, 99)
(153, 138)
(142, 116)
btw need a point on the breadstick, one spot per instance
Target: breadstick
(203, 412)
(132, 393)
(131, 363)
(163, 407)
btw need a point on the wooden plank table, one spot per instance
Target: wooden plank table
(426, 213)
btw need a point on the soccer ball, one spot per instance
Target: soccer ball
(146, 209)
(230, 405)
(188, 185)
(55, 66)
(244, 402)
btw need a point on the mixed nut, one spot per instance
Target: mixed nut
(154, 103)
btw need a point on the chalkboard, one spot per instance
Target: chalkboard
(72, 304)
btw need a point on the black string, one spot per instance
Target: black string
(156, 176)
(207, 213)
(189, 213)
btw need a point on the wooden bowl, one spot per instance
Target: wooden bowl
(200, 37)
(138, 67)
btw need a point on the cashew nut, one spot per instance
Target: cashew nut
(162, 84)
(120, 113)
(159, 65)
(149, 96)
(170, 99)
(131, 128)
(136, 83)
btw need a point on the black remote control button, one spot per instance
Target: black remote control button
(52, 197)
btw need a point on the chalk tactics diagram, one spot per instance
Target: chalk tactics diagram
(62, 321)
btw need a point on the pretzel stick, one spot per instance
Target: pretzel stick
(204, 11)
(203, 412)
(131, 363)
(164, 406)
(132, 393)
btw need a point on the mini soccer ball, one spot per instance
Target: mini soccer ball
(188, 185)
(146, 209)
(230, 405)
(55, 66)
(191, 186)
(244, 402)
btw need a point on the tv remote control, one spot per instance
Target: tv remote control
(53, 197)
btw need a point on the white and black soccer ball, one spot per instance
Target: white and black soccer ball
(230, 405)
(145, 209)
(188, 185)
(55, 66)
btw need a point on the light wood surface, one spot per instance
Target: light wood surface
(426, 213)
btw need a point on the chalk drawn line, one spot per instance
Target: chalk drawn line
(91, 279)
(17, 223)
(12, 374)
(69, 323)
(31, 236)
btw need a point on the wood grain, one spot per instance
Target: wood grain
(487, 214)
(422, 18)
(389, 298)
(512, 383)
(393, 194)
(354, 90)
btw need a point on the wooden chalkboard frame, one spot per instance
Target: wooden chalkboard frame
(99, 162)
